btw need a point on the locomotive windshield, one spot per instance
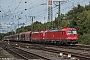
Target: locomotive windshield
(72, 32)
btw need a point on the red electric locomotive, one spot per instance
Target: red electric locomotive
(63, 36)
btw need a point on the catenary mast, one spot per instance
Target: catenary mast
(50, 14)
(59, 13)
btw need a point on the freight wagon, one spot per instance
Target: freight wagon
(56, 36)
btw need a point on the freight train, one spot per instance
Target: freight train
(55, 36)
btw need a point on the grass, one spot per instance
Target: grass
(3, 56)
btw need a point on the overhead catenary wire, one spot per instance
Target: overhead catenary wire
(39, 14)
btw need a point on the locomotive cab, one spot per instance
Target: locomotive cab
(71, 35)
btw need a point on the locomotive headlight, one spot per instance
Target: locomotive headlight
(67, 37)
(76, 37)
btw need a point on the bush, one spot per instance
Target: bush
(84, 39)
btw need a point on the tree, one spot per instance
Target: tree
(83, 22)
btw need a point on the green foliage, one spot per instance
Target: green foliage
(1, 35)
(83, 22)
(22, 29)
(37, 26)
(10, 33)
(84, 39)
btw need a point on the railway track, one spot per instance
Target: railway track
(44, 55)
(82, 56)
(75, 47)
(23, 54)
(64, 51)
(55, 49)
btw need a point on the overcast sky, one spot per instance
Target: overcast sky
(12, 10)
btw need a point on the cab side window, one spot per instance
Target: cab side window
(44, 34)
(62, 32)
